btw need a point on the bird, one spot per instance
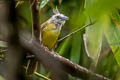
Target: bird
(51, 29)
(49, 34)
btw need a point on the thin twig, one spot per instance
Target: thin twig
(75, 32)
(38, 74)
(41, 76)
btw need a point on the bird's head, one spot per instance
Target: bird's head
(58, 18)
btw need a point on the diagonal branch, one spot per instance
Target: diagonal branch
(56, 63)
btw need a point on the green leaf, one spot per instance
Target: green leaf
(43, 3)
(76, 49)
(96, 7)
(113, 35)
(93, 42)
(3, 44)
(93, 37)
(113, 38)
(1, 78)
(64, 46)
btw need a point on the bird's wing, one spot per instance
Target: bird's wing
(42, 26)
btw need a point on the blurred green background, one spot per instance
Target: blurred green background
(98, 44)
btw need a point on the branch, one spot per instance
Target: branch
(35, 8)
(56, 63)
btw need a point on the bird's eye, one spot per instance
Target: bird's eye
(57, 17)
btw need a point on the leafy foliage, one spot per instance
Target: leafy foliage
(102, 45)
(43, 3)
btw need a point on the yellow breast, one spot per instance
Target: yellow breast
(50, 36)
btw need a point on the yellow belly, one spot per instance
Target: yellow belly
(50, 37)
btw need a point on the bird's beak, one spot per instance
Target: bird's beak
(65, 18)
